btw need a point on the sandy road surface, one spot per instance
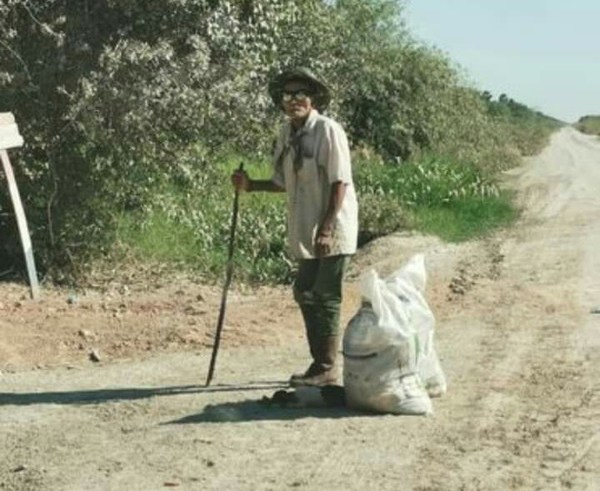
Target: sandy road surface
(518, 342)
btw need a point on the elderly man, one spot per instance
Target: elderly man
(312, 165)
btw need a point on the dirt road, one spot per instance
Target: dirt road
(518, 341)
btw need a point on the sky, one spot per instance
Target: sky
(542, 53)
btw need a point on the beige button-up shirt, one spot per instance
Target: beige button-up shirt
(325, 160)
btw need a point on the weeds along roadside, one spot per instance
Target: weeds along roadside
(185, 225)
(189, 228)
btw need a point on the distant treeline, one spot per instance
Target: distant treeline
(120, 101)
(589, 125)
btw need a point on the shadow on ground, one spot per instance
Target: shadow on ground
(252, 410)
(127, 394)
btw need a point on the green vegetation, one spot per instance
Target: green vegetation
(134, 114)
(589, 125)
(528, 129)
(191, 228)
(435, 195)
(465, 219)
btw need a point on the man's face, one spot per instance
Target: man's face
(297, 99)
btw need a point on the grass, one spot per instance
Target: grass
(160, 238)
(436, 195)
(190, 227)
(466, 219)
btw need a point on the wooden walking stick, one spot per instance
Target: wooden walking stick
(228, 275)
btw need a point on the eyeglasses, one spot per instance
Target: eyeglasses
(299, 95)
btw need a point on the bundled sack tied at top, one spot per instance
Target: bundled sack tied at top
(390, 363)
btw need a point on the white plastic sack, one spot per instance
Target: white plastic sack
(389, 358)
(409, 283)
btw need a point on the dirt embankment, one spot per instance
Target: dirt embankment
(516, 334)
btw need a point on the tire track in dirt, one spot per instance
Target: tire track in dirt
(534, 418)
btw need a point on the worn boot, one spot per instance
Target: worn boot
(311, 371)
(310, 320)
(323, 371)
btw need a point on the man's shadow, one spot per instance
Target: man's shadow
(230, 412)
(252, 410)
(100, 396)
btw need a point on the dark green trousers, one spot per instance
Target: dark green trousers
(318, 292)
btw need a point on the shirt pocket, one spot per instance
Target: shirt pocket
(307, 147)
(308, 174)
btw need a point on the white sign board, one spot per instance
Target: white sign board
(10, 138)
(9, 132)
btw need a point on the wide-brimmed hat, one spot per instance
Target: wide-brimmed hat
(321, 95)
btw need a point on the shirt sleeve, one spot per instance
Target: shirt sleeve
(336, 154)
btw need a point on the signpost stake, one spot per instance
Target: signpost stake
(10, 138)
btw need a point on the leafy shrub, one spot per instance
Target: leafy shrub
(589, 125)
(379, 215)
(127, 108)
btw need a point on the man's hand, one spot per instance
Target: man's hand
(323, 243)
(241, 181)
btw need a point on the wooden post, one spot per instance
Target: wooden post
(10, 138)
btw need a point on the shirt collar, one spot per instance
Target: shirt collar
(309, 124)
(311, 120)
